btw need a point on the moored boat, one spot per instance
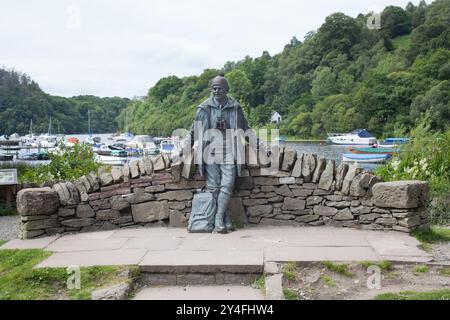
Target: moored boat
(356, 137)
(389, 151)
(365, 158)
(113, 161)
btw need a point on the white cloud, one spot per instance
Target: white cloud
(123, 47)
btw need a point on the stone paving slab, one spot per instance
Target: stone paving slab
(94, 258)
(160, 248)
(299, 254)
(200, 293)
(40, 243)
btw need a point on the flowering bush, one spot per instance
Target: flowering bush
(65, 164)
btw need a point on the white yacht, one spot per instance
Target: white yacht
(356, 137)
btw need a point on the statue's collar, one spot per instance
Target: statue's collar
(213, 103)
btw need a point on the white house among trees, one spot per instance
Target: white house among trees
(275, 118)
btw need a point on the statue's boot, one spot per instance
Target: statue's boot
(228, 223)
(222, 205)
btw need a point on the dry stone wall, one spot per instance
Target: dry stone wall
(307, 190)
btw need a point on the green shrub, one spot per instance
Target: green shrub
(426, 157)
(65, 164)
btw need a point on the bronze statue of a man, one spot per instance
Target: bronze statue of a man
(216, 121)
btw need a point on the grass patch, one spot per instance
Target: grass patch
(384, 265)
(2, 242)
(445, 272)
(19, 281)
(328, 281)
(290, 294)
(290, 271)
(259, 283)
(432, 235)
(5, 211)
(413, 295)
(421, 269)
(338, 268)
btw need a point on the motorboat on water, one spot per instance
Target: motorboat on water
(151, 149)
(101, 149)
(365, 158)
(356, 137)
(169, 146)
(108, 160)
(124, 137)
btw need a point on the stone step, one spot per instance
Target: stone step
(224, 292)
(196, 279)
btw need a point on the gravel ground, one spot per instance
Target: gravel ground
(9, 226)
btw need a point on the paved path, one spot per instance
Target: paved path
(161, 248)
(9, 227)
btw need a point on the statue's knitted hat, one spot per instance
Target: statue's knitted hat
(220, 80)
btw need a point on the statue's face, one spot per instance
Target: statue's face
(219, 92)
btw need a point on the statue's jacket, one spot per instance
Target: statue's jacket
(207, 115)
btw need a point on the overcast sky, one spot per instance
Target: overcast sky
(121, 48)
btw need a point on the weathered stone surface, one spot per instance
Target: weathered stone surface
(184, 184)
(33, 218)
(352, 172)
(117, 174)
(85, 211)
(402, 215)
(167, 161)
(360, 184)
(150, 211)
(321, 164)
(259, 210)
(307, 218)
(301, 212)
(338, 204)
(134, 169)
(244, 183)
(268, 188)
(158, 163)
(401, 229)
(81, 190)
(106, 179)
(341, 172)
(310, 201)
(175, 195)
(177, 205)
(302, 192)
(327, 177)
(142, 170)
(355, 203)
(293, 204)
(287, 180)
(361, 210)
(369, 217)
(119, 203)
(266, 181)
(344, 214)
(276, 199)
(285, 191)
(325, 211)
(147, 165)
(78, 223)
(116, 292)
(123, 220)
(87, 185)
(410, 222)
(254, 202)
(104, 215)
(66, 212)
(177, 219)
(236, 211)
(400, 194)
(263, 195)
(308, 166)
(290, 155)
(63, 193)
(386, 221)
(126, 172)
(40, 224)
(24, 234)
(152, 189)
(297, 170)
(381, 211)
(277, 222)
(284, 217)
(94, 181)
(39, 201)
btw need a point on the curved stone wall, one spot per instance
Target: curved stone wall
(156, 192)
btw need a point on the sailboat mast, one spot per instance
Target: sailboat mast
(89, 123)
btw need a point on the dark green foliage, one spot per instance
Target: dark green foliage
(21, 100)
(341, 77)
